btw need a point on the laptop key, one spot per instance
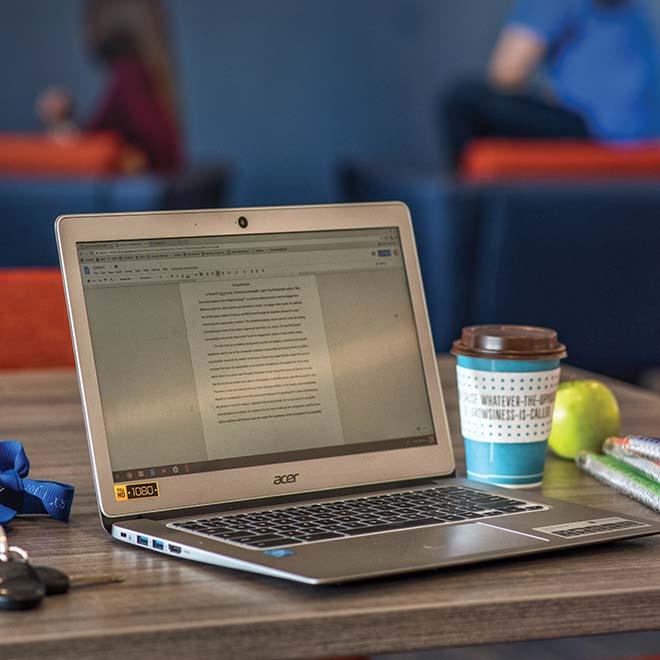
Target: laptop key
(264, 537)
(231, 536)
(354, 525)
(421, 522)
(241, 539)
(274, 542)
(322, 536)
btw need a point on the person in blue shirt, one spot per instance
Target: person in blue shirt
(599, 61)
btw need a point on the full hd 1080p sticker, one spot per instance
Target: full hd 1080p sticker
(126, 492)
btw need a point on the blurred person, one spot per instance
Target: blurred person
(602, 82)
(129, 38)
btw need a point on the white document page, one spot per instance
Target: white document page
(261, 364)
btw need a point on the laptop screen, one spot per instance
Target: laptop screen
(232, 351)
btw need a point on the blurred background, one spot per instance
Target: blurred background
(281, 90)
(289, 102)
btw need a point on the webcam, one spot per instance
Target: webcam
(243, 222)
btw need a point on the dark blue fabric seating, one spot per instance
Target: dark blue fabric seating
(29, 205)
(581, 257)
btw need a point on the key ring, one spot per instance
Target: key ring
(6, 549)
(14, 549)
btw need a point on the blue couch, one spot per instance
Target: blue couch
(583, 258)
(29, 205)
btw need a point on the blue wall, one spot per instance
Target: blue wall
(281, 89)
(284, 89)
(293, 87)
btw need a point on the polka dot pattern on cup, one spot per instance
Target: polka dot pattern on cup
(506, 407)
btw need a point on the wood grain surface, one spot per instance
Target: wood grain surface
(171, 608)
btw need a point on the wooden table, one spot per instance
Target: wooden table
(169, 608)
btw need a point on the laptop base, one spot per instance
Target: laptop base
(437, 546)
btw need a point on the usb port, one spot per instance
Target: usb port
(158, 545)
(143, 540)
(122, 534)
(176, 549)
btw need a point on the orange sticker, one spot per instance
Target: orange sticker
(120, 493)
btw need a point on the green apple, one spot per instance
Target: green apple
(586, 413)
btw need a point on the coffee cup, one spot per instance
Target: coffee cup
(507, 379)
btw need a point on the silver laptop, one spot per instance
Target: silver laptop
(261, 393)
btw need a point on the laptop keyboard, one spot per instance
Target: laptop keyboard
(308, 523)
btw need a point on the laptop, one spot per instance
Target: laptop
(260, 392)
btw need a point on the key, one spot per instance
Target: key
(57, 582)
(20, 588)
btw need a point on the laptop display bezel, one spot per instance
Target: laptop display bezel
(248, 483)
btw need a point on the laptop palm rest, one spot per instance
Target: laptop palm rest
(406, 550)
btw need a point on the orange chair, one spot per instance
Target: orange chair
(39, 155)
(498, 159)
(34, 330)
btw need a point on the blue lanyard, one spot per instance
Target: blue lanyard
(18, 494)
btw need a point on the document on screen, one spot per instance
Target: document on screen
(262, 369)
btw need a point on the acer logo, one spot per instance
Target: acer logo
(285, 479)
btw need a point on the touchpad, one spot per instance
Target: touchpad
(424, 547)
(476, 538)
